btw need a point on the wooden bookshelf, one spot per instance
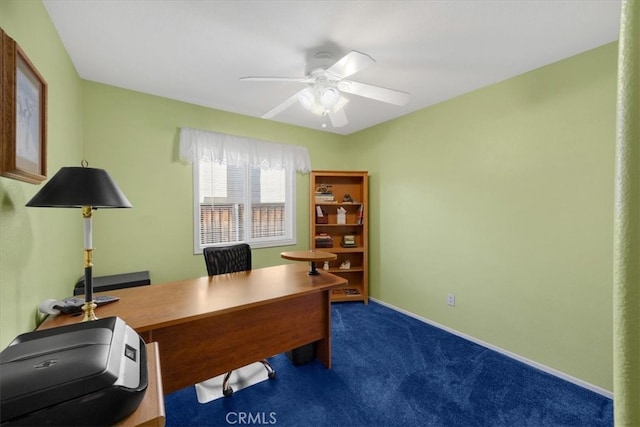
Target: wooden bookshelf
(328, 190)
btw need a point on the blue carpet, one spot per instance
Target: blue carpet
(390, 369)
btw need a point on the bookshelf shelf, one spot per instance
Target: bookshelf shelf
(342, 271)
(339, 208)
(337, 204)
(339, 225)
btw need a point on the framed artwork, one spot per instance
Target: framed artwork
(23, 98)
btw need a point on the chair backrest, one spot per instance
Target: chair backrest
(227, 259)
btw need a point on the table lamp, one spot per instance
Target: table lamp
(86, 188)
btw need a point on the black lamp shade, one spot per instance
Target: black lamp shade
(75, 187)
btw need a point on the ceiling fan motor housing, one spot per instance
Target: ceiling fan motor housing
(321, 62)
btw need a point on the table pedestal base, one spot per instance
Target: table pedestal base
(314, 270)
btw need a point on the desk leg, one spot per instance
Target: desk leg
(323, 347)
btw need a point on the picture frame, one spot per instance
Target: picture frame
(23, 98)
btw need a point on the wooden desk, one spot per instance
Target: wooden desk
(150, 413)
(211, 325)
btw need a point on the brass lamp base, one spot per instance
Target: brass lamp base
(88, 308)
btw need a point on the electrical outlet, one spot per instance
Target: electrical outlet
(451, 300)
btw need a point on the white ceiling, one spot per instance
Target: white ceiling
(196, 51)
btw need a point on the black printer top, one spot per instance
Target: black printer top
(42, 368)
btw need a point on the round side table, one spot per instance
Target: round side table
(312, 256)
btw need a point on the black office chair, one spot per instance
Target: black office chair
(231, 259)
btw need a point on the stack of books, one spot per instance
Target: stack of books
(324, 197)
(323, 240)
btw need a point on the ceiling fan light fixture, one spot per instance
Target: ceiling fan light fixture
(307, 98)
(310, 99)
(329, 97)
(318, 109)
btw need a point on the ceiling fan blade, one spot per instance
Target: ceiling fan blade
(281, 107)
(351, 63)
(378, 93)
(276, 79)
(338, 118)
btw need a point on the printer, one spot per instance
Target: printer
(88, 373)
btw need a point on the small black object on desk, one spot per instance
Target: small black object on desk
(116, 281)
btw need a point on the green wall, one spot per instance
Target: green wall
(136, 138)
(40, 249)
(503, 197)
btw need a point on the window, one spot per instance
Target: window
(242, 204)
(243, 189)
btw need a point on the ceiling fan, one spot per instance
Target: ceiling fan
(327, 82)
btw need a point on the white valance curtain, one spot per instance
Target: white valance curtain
(199, 145)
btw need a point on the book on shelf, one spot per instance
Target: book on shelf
(321, 216)
(323, 240)
(360, 219)
(324, 244)
(325, 197)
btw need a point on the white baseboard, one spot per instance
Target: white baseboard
(547, 369)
